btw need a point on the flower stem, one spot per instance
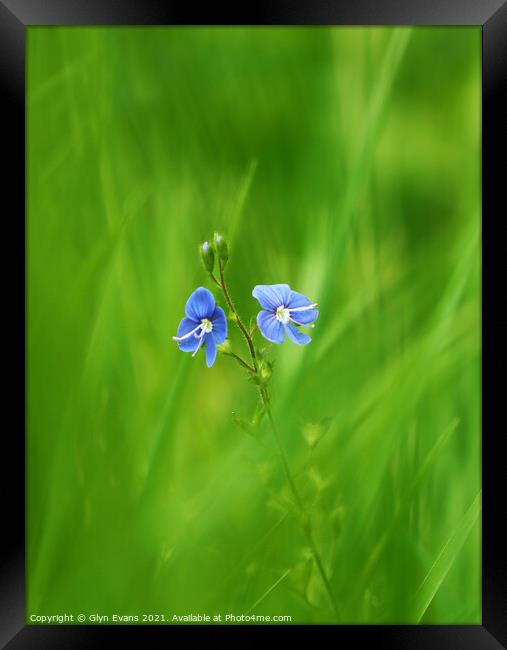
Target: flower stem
(241, 361)
(239, 322)
(212, 276)
(307, 527)
(306, 523)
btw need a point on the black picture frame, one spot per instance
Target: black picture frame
(15, 16)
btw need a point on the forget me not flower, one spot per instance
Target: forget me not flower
(282, 310)
(204, 324)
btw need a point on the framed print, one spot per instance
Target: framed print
(253, 252)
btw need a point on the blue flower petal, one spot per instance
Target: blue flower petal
(305, 317)
(186, 326)
(272, 296)
(211, 350)
(298, 300)
(219, 325)
(270, 327)
(201, 304)
(297, 336)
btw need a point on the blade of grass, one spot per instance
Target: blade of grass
(360, 174)
(240, 201)
(268, 591)
(359, 177)
(406, 500)
(445, 560)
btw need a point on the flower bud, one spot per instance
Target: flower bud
(207, 256)
(221, 248)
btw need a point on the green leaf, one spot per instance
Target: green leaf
(445, 559)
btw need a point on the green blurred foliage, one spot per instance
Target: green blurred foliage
(343, 161)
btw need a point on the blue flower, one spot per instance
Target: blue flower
(204, 324)
(282, 310)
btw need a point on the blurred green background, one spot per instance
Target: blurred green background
(343, 161)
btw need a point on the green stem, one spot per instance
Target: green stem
(281, 451)
(307, 526)
(239, 322)
(212, 276)
(241, 361)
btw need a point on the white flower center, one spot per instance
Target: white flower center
(206, 325)
(283, 315)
